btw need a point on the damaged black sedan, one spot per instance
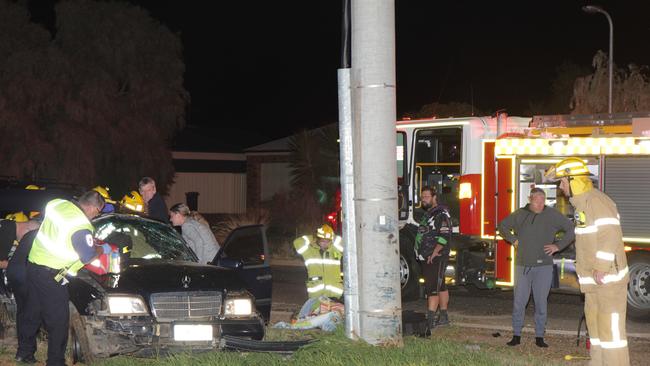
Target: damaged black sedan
(154, 298)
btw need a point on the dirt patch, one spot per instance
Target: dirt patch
(559, 345)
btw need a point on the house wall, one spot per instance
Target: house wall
(219, 178)
(218, 192)
(267, 174)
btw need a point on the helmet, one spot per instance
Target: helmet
(571, 167)
(18, 217)
(133, 201)
(325, 232)
(34, 187)
(103, 191)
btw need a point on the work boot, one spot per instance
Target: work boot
(25, 359)
(443, 318)
(514, 341)
(539, 342)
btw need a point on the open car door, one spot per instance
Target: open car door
(248, 244)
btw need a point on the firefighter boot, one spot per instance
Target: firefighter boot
(443, 318)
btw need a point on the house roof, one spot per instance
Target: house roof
(280, 145)
(276, 146)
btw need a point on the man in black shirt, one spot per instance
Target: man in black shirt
(156, 207)
(24, 233)
(432, 246)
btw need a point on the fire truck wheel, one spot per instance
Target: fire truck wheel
(78, 344)
(638, 290)
(409, 268)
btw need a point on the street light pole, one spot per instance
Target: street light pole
(593, 9)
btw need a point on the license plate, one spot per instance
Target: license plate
(192, 332)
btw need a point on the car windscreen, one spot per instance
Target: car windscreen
(142, 238)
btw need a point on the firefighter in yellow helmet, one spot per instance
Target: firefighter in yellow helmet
(132, 203)
(109, 205)
(601, 263)
(322, 255)
(34, 187)
(17, 217)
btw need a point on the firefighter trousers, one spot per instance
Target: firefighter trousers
(605, 310)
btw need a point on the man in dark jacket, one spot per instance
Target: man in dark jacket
(155, 205)
(533, 230)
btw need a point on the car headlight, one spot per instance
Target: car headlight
(126, 305)
(238, 306)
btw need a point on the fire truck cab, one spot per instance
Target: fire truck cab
(483, 168)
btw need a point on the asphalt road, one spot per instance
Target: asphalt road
(482, 308)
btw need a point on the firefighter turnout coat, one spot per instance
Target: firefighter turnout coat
(599, 246)
(323, 266)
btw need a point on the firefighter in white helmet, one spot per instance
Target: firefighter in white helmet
(601, 263)
(322, 257)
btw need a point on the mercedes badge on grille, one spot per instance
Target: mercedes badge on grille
(186, 281)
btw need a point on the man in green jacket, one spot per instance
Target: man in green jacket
(532, 231)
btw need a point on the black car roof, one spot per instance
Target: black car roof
(14, 199)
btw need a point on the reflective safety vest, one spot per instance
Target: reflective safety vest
(323, 270)
(53, 244)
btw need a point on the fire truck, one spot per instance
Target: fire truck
(483, 168)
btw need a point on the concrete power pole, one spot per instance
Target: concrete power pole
(375, 172)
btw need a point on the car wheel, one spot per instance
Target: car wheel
(78, 344)
(638, 290)
(409, 268)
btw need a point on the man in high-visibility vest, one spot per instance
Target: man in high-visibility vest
(322, 257)
(601, 263)
(62, 245)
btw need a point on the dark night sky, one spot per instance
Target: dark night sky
(259, 70)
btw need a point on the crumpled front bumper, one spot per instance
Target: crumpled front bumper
(144, 336)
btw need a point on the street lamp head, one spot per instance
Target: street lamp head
(592, 9)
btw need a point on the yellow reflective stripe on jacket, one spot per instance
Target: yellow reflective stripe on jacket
(607, 279)
(316, 288)
(606, 256)
(599, 222)
(311, 261)
(607, 221)
(334, 289)
(337, 243)
(305, 246)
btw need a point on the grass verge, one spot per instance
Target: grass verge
(336, 349)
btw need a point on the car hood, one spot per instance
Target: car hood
(150, 276)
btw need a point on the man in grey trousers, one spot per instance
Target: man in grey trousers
(532, 231)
